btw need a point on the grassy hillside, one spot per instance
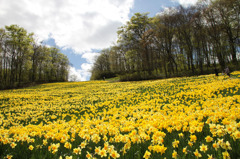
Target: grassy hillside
(174, 118)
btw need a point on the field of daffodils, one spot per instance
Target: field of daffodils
(190, 117)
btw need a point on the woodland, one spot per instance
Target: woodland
(24, 61)
(181, 41)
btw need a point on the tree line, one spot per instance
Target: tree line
(24, 61)
(177, 42)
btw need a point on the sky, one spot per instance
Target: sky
(79, 28)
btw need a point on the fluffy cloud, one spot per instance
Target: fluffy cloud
(77, 24)
(90, 56)
(76, 75)
(83, 73)
(81, 25)
(167, 10)
(186, 3)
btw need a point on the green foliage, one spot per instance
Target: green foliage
(177, 42)
(23, 61)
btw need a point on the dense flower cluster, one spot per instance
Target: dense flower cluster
(192, 117)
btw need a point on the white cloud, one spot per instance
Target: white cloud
(172, 10)
(81, 25)
(167, 10)
(90, 56)
(74, 75)
(78, 24)
(186, 3)
(83, 73)
(77, 74)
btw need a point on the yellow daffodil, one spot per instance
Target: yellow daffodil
(174, 154)
(197, 154)
(147, 155)
(31, 147)
(185, 150)
(203, 148)
(208, 139)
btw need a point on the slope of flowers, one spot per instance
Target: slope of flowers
(175, 118)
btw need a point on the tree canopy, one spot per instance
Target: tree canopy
(24, 61)
(178, 42)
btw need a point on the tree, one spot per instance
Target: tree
(164, 38)
(4, 62)
(19, 49)
(229, 22)
(184, 26)
(22, 60)
(137, 36)
(180, 41)
(101, 68)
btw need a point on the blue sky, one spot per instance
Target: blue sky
(151, 6)
(142, 6)
(80, 28)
